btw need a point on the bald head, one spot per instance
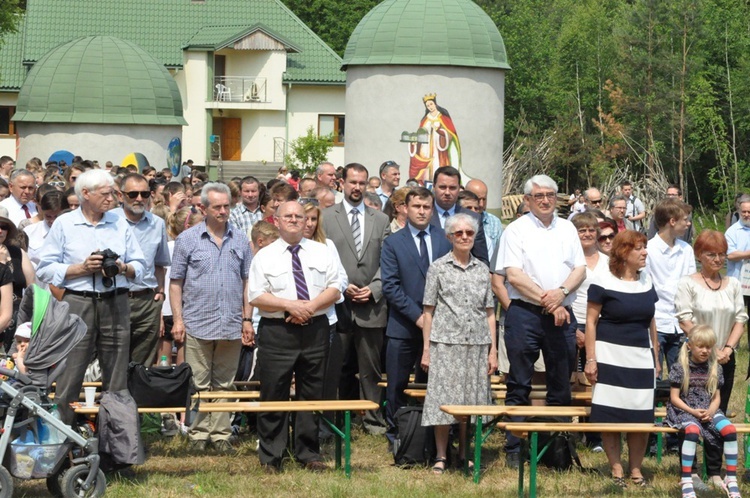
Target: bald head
(478, 188)
(593, 198)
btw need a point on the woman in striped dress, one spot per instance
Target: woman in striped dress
(622, 351)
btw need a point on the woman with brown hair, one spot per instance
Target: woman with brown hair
(622, 351)
(708, 298)
(398, 205)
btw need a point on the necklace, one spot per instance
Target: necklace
(709, 285)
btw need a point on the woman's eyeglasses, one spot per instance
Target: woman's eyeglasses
(461, 233)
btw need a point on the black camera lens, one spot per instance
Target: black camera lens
(108, 282)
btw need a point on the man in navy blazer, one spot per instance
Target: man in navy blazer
(403, 269)
(447, 184)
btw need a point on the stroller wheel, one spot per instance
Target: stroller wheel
(73, 479)
(6, 483)
(54, 484)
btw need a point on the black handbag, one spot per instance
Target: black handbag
(161, 387)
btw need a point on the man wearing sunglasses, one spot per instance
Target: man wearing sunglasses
(145, 297)
(390, 177)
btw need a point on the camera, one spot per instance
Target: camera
(109, 265)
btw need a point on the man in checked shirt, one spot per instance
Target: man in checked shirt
(208, 294)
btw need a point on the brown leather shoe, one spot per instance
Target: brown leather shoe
(316, 466)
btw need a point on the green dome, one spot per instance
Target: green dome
(427, 33)
(99, 79)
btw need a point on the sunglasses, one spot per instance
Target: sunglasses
(598, 201)
(4, 227)
(57, 184)
(606, 237)
(133, 194)
(308, 200)
(461, 233)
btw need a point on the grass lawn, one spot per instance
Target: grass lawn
(172, 471)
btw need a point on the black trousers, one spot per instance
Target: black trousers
(403, 356)
(285, 349)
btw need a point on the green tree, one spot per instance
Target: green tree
(309, 150)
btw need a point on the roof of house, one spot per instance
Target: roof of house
(217, 37)
(427, 32)
(12, 72)
(99, 79)
(164, 27)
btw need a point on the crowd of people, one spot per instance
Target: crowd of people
(321, 284)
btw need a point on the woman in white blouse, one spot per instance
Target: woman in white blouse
(708, 298)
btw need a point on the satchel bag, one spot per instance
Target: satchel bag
(161, 387)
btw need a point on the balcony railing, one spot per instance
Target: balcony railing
(240, 90)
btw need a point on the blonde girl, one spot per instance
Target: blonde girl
(694, 407)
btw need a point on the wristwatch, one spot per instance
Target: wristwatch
(564, 290)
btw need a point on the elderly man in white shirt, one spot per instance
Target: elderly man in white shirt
(541, 256)
(294, 282)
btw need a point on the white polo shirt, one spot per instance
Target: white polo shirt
(546, 254)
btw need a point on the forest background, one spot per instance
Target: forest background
(600, 90)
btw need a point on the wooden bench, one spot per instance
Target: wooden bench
(532, 430)
(499, 411)
(576, 397)
(344, 407)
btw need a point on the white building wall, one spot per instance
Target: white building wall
(268, 64)
(96, 142)
(306, 103)
(192, 81)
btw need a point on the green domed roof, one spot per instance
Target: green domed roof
(99, 79)
(427, 33)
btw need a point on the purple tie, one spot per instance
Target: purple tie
(299, 276)
(26, 211)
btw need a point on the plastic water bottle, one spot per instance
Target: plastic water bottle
(163, 362)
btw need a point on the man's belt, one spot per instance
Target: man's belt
(282, 321)
(97, 295)
(139, 293)
(528, 306)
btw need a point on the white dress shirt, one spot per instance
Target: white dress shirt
(15, 209)
(666, 266)
(271, 272)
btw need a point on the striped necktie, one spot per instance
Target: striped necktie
(299, 276)
(356, 231)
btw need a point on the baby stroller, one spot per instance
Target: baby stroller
(35, 443)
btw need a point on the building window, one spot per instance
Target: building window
(332, 124)
(7, 127)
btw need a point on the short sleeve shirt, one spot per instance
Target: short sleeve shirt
(461, 297)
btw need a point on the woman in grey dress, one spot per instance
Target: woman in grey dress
(459, 348)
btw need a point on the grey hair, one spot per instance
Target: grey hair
(459, 218)
(221, 188)
(92, 180)
(541, 181)
(21, 172)
(319, 169)
(615, 198)
(744, 198)
(587, 193)
(374, 199)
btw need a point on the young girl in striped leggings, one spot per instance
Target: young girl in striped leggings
(694, 407)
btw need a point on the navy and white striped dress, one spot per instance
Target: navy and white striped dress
(624, 391)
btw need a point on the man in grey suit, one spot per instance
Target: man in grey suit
(358, 233)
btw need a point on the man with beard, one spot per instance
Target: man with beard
(738, 239)
(147, 296)
(358, 233)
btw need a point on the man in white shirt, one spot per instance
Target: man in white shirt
(20, 202)
(293, 282)
(541, 256)
(669, 259)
